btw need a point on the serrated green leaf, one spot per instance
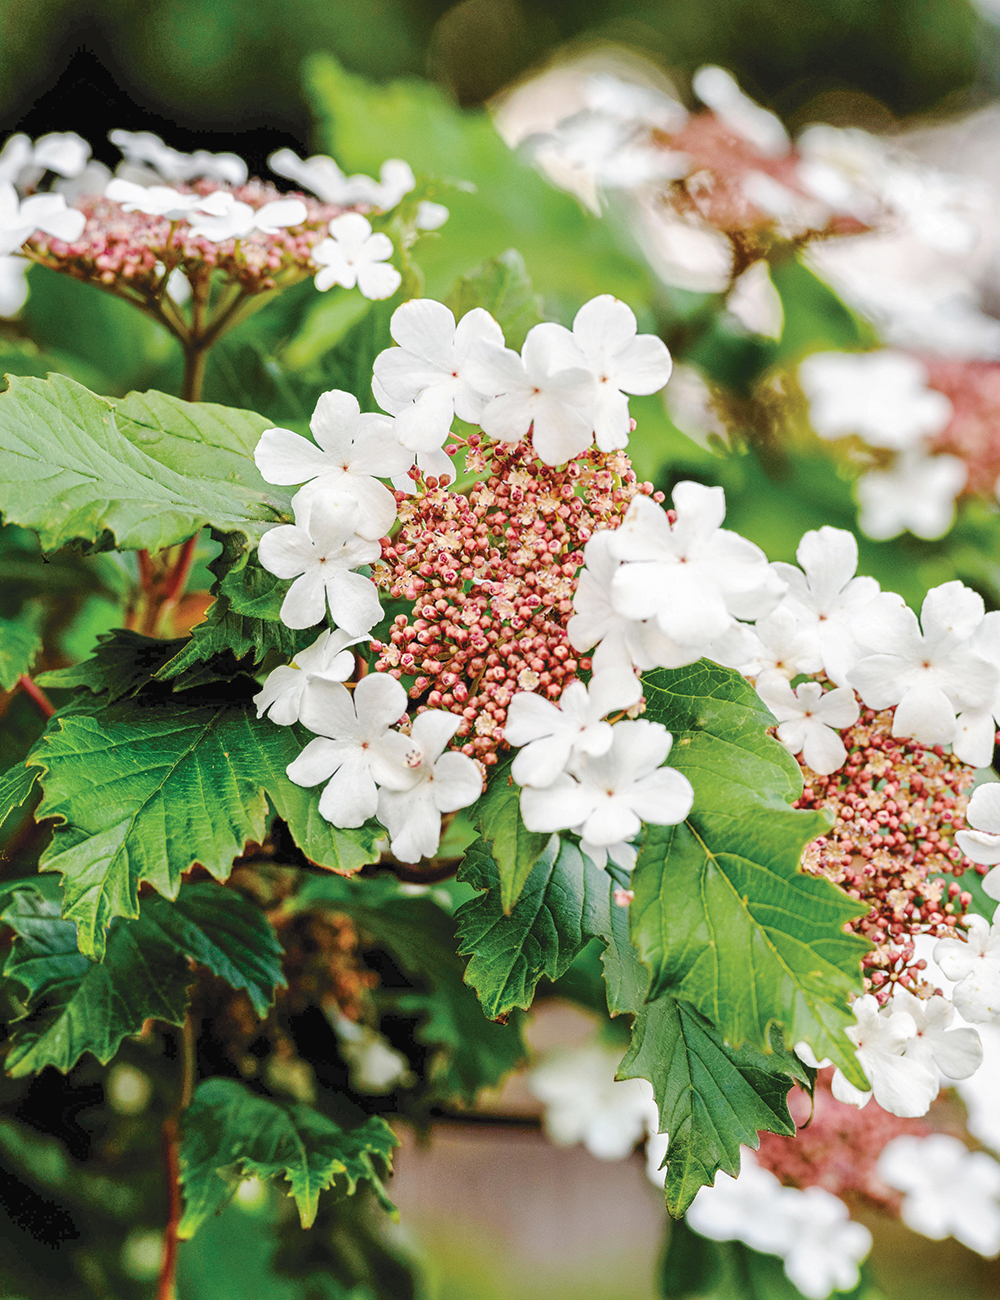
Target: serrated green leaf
(230, 1133)
(722, 915)
(16, 786)
(20, 641)
(74, 1005)
(74, 466)
(497, 817)
(145, 788)
(564, 903)
(502, 286)
(123, 662)
(244, 622)
(712, 1098)
(472, 1052)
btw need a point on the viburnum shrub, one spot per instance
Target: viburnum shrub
(467, 702)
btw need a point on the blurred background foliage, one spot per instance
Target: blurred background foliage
(81, 1199)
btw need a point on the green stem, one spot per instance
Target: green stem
(195, 359)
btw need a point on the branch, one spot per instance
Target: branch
(45, 705)
(170, 1137)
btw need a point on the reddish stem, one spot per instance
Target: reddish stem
(45, 705)
(146, 571)
(171, 1165)
(177, 579)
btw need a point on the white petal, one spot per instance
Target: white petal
(457, 782)
(350, 797)
(378, 280)
(563, 804)
(285, 457)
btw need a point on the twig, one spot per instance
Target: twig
(170, 1137)
(45, 705)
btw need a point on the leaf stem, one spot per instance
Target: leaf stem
(177, 578)
(170, 1136)
(45, 705)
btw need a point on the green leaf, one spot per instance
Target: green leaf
(564, 903)
(244, 621)
(230, 1133)
(20, 641)
(144, 473)
(122, 664)
(145, 788)
(472, 1052)
(75, 1005)
(502, 286)
(712, 1098)
(16, 786)
(515, 849)
(722, 915)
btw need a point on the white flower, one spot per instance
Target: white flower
(785, 645)
(319, 551)
(428, 782)
(20, 218)
(164, 201)
(374, 1064)
(927, 674)
(286, 687)
(826, 1245)
(980, 1093)
(621, 362)
(584, 1103)
(693, 576)
(354, 748)
(64, 152)
(756, 303)
(550, 735)
(882, 397)
(422, 381)
(546, 389)
(430, 215)
(903, 1084)
(354, 256)
(827, 596)
(143, 148)
(949, 1190)
(321, 175)
(235, 220)
(974, 965)
(612, 794)
(917, 494)
(15, 157)
(352, 451)
(957, 1052)
(975, 734)
(13, 285)
(718, 89)
(751, 1208)
(982, 844)
(623, 644)
(809, 719)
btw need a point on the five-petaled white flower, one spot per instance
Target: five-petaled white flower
(321, 175)
(286, 687)
(902, 1083)
(354, 256)
(428, 782)
(422, 382)
(825, 595)
(621, 362)
(142, 149)
(974, 965)
(164, 201)
(354, 751)
(233, 219)
(693, 576)
(20, 218)
(982, 843)
(352, 451)
(948, 1189)
(931, 674)
(881, 396)
(550, 735)
(957, 1053)
(320, 551)
(785, 645)
(610, 795)
(809, 719)
(546, 389)
(917, 495)
(825, 1245)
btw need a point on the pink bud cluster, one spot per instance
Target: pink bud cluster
(897, 806)
(973, 433)
(129, 250)
(837, 1146)
(492, 577)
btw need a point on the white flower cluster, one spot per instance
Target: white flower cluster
(811, 1230)
(883, 397)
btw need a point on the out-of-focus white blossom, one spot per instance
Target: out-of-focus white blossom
(144, 149)
(916, 495)
(584, 1103)
(235, 220)
(755, 302)
(948, 1189)
(718, 89)
(13, 285)
(20, 218)
(322, 177)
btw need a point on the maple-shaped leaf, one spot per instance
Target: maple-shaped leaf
(229, 1133)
